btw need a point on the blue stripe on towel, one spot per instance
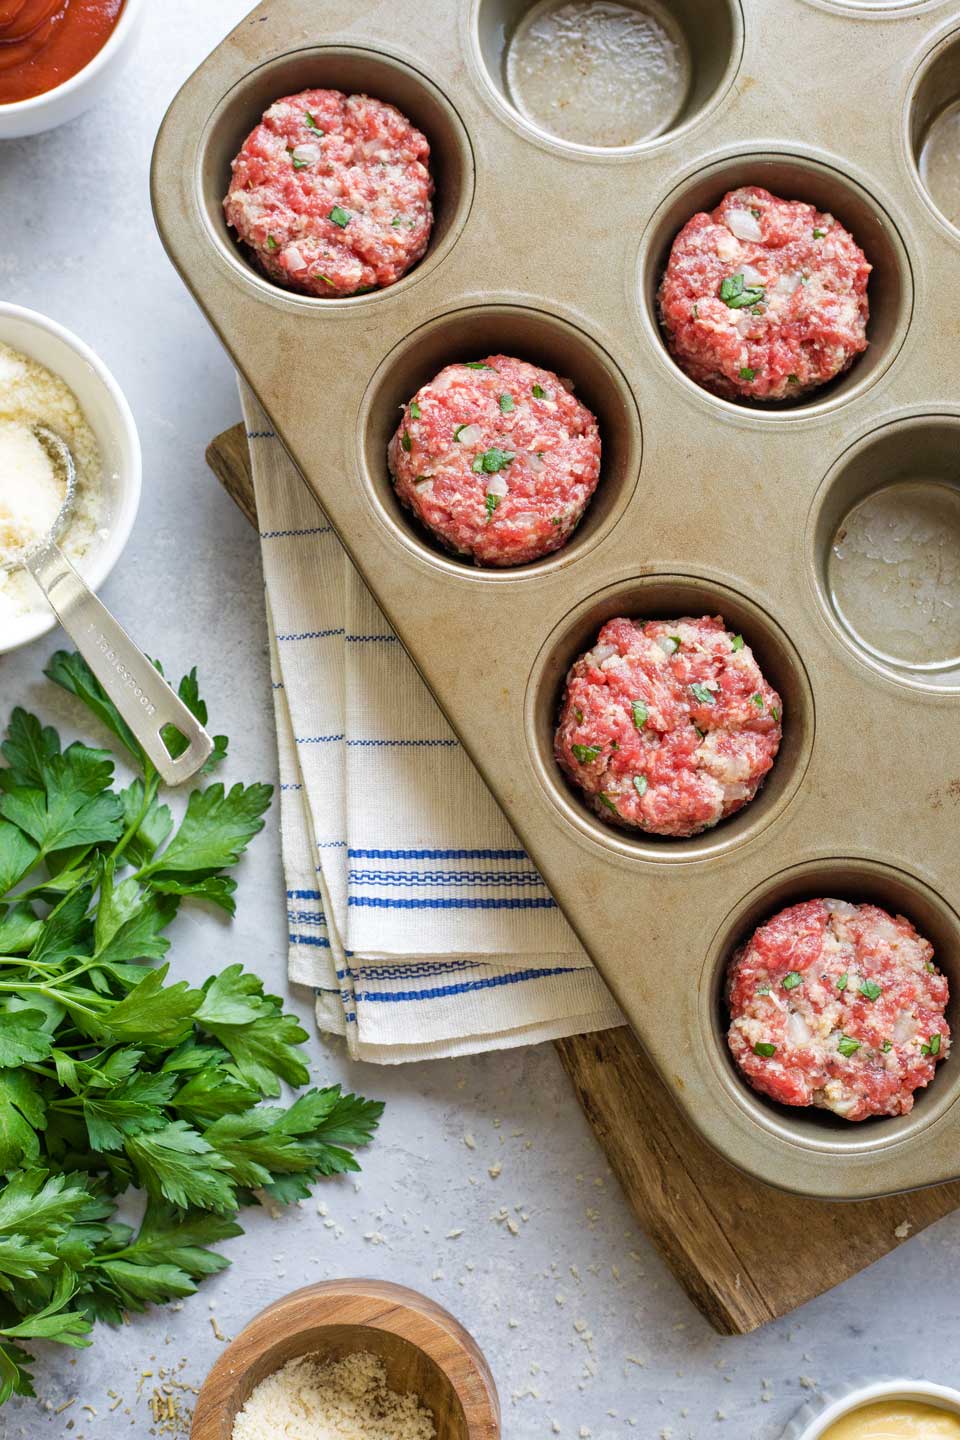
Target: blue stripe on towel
(466, 987)
(437, 854)
(320, 941)
(364, 639)
(392, 970)
(304, 895)
(311, 634)
(381, 902)
(444, 877)
(317, 739)
(306, 917)
(380, 743)
(289, 534)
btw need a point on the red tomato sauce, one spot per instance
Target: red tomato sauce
(45, 42)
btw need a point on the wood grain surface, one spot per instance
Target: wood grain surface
(424, 1349)
(744, 1253)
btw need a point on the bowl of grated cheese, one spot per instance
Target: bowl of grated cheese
(362, 1359)
(49, 377)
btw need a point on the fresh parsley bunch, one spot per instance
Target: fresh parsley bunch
(112, 1078)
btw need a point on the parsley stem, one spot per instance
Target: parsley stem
(150, 789)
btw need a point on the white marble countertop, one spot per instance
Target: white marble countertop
(587, 1332)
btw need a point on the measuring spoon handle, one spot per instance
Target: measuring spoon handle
(136, 687)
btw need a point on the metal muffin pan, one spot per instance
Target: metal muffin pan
(553, 252)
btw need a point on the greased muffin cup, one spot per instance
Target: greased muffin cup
(553, 252)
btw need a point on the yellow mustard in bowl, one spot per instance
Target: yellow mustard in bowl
(893, 1419)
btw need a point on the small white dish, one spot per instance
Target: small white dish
(67, 101)
(817, 1416)
(108, 413)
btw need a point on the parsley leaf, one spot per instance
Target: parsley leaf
(112, 1076)
(738, 296)
(339, 216)
(216, 829)
(492, 461)
(585, 754)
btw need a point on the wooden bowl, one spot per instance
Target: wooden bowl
(423, 1347)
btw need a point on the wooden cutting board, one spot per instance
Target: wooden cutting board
(744, 1253)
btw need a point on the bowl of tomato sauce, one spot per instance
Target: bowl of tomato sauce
(57, 57)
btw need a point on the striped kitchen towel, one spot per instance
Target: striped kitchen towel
(414, 913)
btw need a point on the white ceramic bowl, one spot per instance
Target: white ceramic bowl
(102, 401)
(816, 1416)
(67, 101)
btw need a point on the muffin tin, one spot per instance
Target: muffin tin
(553, 252)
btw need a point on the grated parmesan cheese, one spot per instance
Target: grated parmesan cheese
(348, 1399)
(30, 394)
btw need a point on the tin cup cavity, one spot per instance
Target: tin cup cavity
(354, 71)
(790, 177)
(858, 881)
(528, 334)
(918, 448)
(934, 89)
(712, 31)
(668, 597)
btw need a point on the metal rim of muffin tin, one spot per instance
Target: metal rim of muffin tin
(659, 917)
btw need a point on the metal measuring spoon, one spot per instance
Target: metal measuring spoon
(136, 687)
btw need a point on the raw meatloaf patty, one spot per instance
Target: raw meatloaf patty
(764, 298)
(668, 725)
(332, 193)
(497, 458)
(839, 1006)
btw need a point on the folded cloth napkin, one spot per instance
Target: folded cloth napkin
(415, 915)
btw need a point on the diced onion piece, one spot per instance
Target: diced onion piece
(307, 154)
(788, 282)
(497, 485)
(536, 462)
(424, 487)
(293, 259)
(470, 435)
(751, 276)
(904, 1027)
(797, 1029)
(599, 653)
(727, 246)
(743, 224)
(668, 646)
